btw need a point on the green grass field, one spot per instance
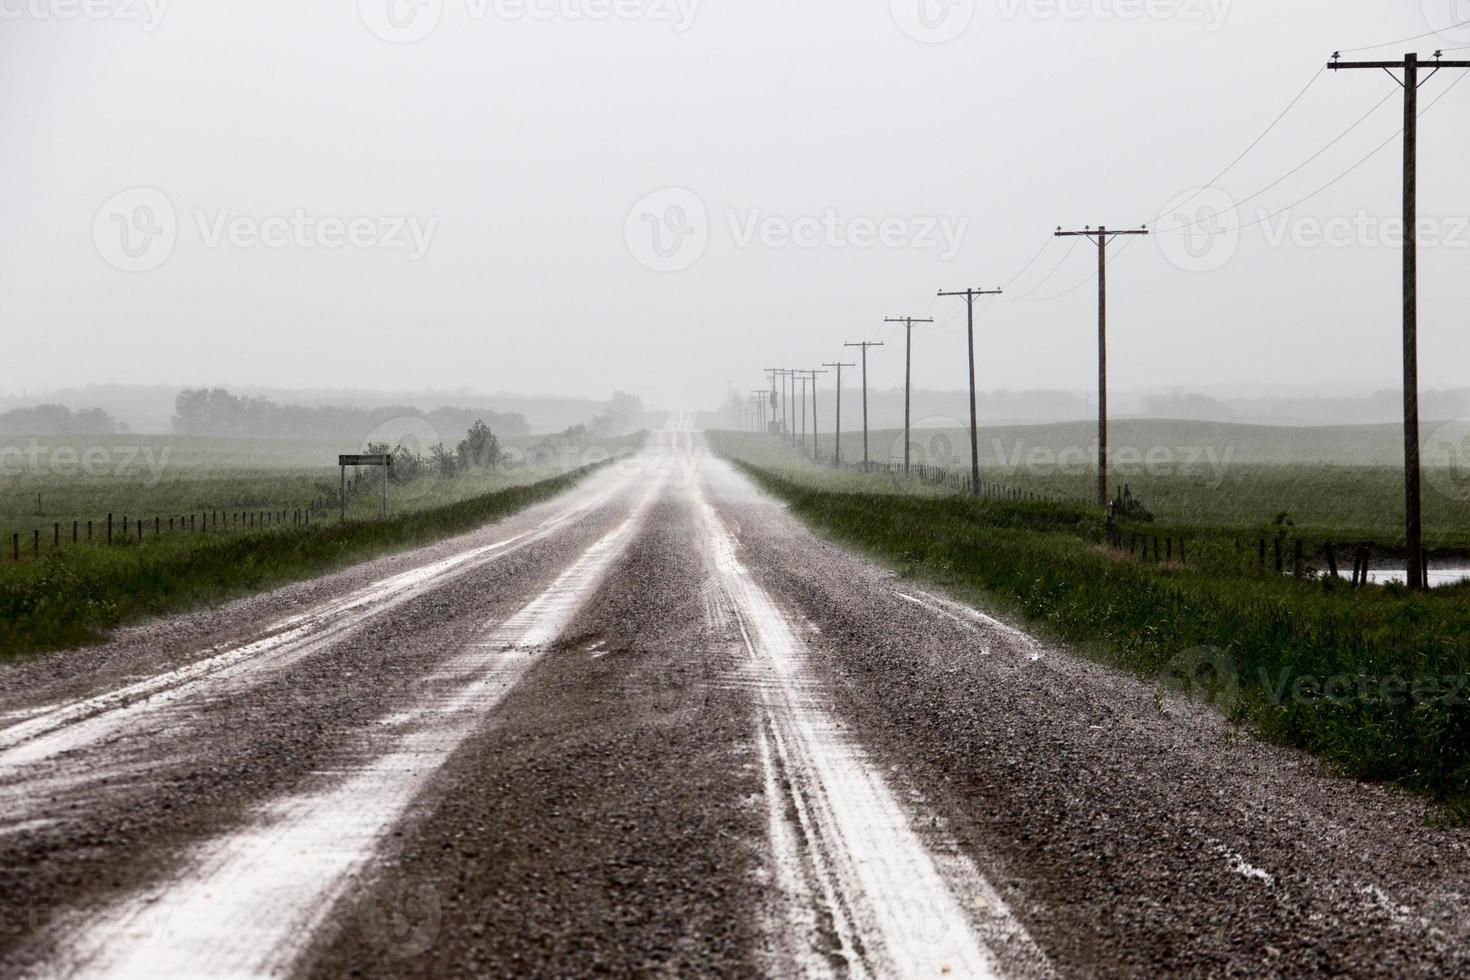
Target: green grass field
(1345, 481)
(45, 481)
(1376, 680)
(65, 594)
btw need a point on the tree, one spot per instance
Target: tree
(480, 449)
(444, 461)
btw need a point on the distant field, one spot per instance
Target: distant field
(49, 480)
(1341, 478)
(64, 594)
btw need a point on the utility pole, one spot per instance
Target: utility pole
(1102, 236)
(837, 446)
(865, 344)
(791, 379)
(816, 446)
(1413, 513)
(970, 295)
(803, 410)
(774, 373)
(908, 378)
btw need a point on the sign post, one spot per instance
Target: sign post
(385, 461)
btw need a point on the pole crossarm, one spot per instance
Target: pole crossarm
(970, 294)
(1102, 234)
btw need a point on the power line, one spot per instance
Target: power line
(1376, 150)
(1255, 143)
(1055, 269)
(1112, 257)
(1179, 229)
(1416, 37)
(1025, 268)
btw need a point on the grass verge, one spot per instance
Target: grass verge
(1376, 681)
(74, 596)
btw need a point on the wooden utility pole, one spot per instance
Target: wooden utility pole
(816, 446)
(1102, 236)
(837, 446)
(908, 378)
(791, 380)
(1413, 513)
(865, 344)
(970, 295)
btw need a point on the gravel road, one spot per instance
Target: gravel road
(655, 726)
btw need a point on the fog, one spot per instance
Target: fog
(668, 196)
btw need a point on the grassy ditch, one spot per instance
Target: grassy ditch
(1377, 681)
(74, 596)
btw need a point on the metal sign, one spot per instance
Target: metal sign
(345, 461)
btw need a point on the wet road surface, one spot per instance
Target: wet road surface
(657, 727)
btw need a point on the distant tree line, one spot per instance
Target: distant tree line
(217, 412)
(58, 420)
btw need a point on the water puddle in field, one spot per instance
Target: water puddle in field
(1438, 577)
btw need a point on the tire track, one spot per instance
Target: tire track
(864, 895)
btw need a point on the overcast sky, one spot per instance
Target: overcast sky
(668, 195)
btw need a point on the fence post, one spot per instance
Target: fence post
(109, 529)
(15, 546)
